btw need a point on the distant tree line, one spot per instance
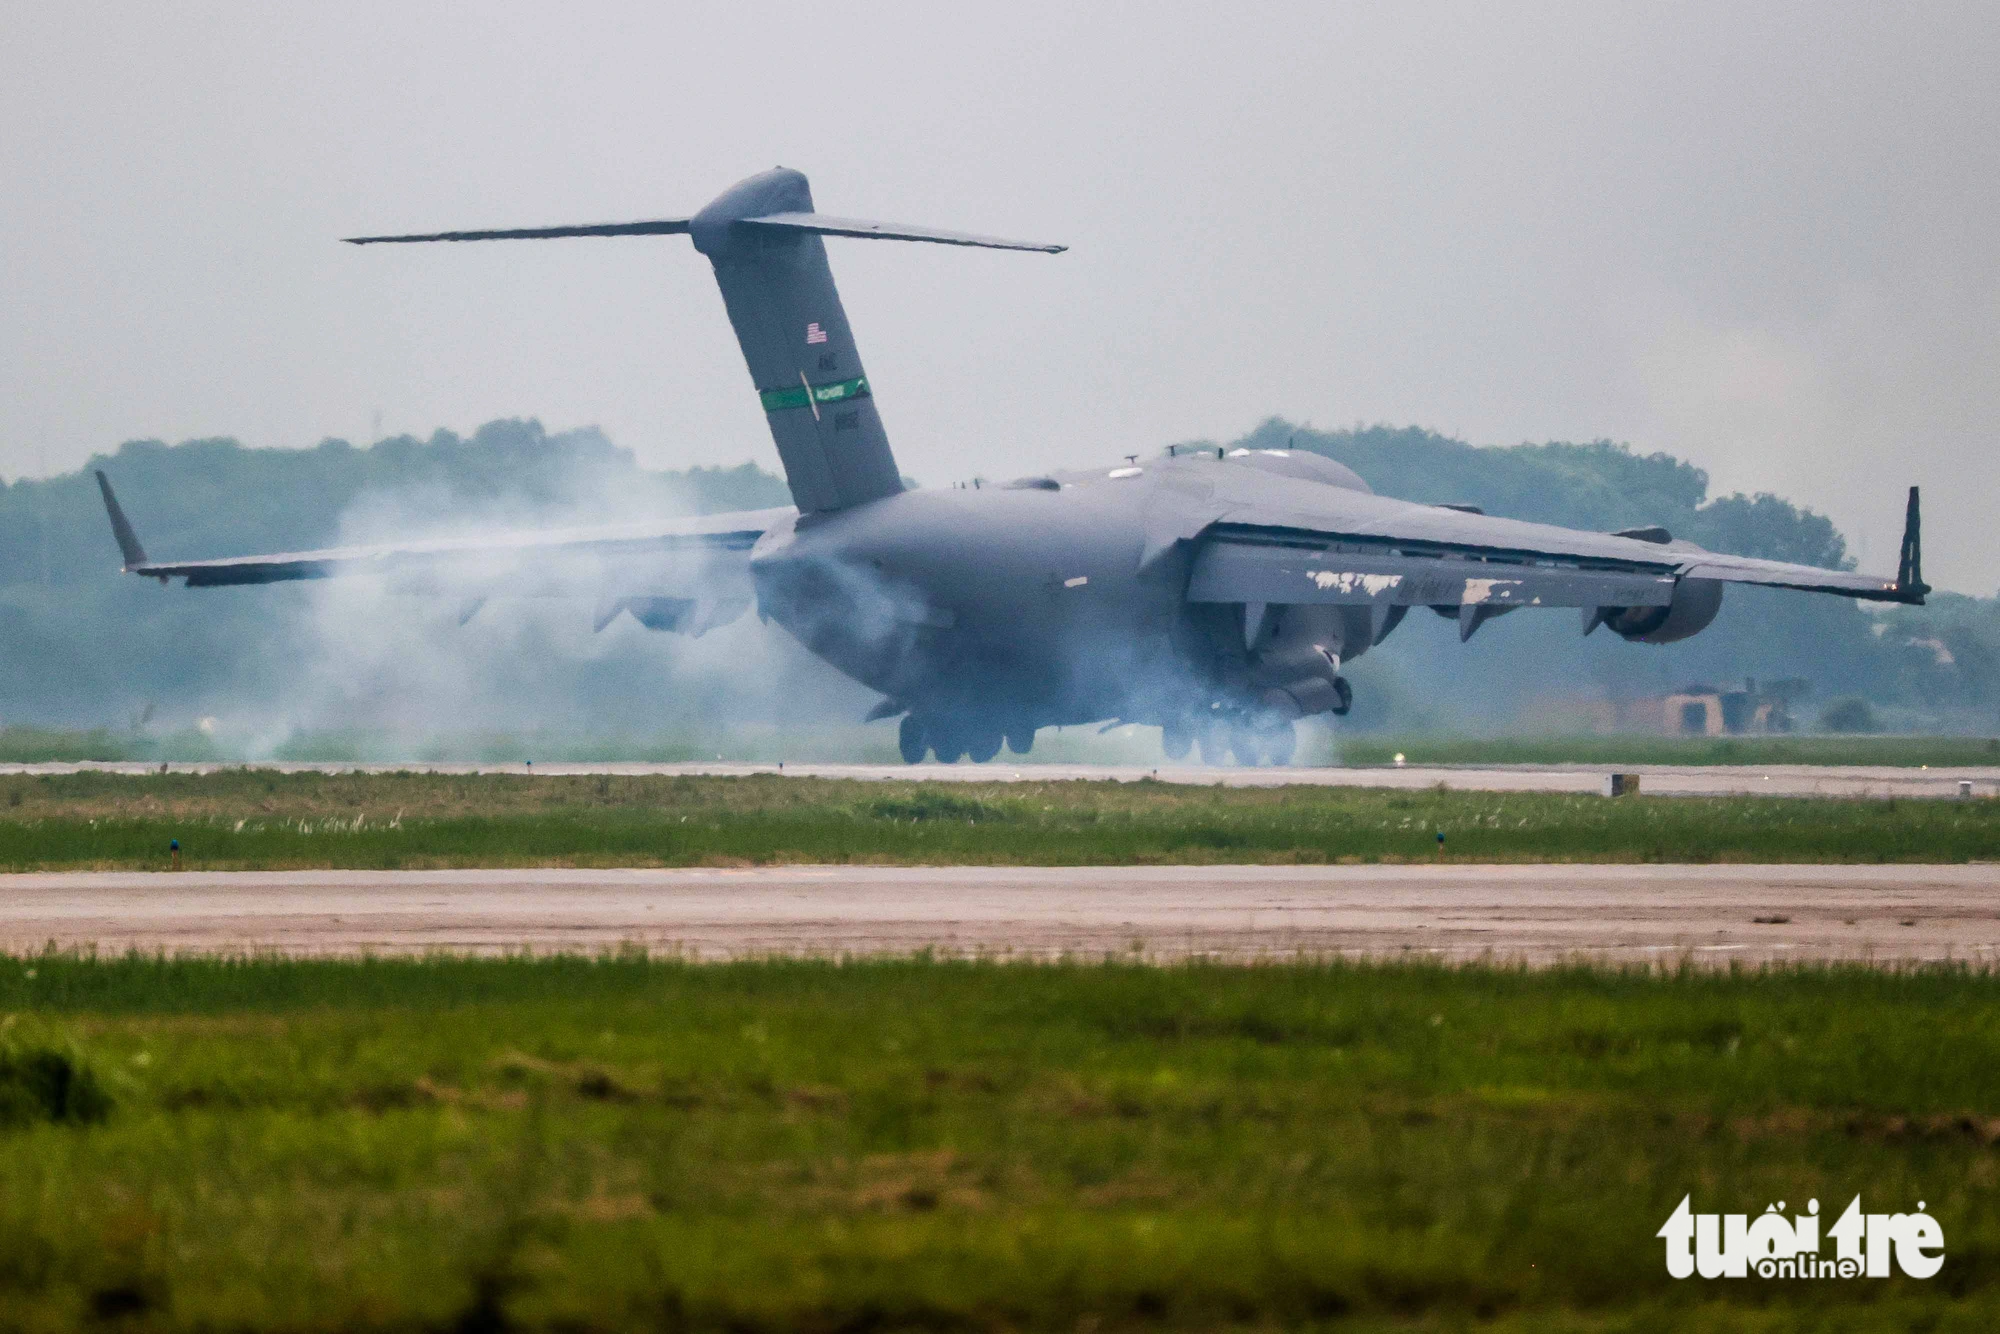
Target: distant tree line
(81, 646)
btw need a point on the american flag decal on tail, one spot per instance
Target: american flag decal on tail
(815, 334)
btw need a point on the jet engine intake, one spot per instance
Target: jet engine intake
(1295, 667)
(1695, 604)
(1307, 695)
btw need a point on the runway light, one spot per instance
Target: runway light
(1399, 759)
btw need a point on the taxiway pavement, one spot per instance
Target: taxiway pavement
(1709, 914)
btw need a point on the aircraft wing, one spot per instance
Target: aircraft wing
(1384, 553)
(674, 574)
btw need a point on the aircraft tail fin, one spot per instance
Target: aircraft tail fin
(763, 237)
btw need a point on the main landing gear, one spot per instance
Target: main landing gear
(1252, 739)
(954, 739)
(1271, 741)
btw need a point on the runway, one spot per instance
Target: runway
(1671, 780)
(1536, 914)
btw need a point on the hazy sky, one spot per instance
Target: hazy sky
(1761, 237)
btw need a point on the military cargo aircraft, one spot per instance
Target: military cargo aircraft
(1215, 595)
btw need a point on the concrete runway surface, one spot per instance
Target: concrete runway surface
(1886, 914)
(1672, 780)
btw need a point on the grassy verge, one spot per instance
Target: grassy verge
(629, 1143)
(247, 819)
(1907, 752)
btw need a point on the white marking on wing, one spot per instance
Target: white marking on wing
(1483, 590)
(1346, 581)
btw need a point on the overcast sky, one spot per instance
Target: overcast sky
(1760, 237)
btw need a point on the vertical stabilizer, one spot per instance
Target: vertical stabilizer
(764, 240)
(794, 334)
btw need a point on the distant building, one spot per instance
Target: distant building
(1704, 710)
(1693, 710)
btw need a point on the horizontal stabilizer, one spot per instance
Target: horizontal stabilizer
(658, 227)
(817, 223)
(822, 225)
(763, 237)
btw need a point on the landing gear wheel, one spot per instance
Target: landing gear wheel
(1021, 739)
(1176, 739)
(983, 746)
(1214, 743)
(910, 740)
(947, 742)
(1243, 744)
(1346, 693)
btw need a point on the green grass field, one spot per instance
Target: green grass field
(250, 819)
(624, 1143)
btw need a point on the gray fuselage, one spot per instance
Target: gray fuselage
(1054, 600)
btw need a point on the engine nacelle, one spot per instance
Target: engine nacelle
(1295, 655)
(1696, 601)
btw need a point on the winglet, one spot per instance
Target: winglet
(1910, 566)
(121, 527)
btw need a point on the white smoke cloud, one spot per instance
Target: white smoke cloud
(368, 656)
